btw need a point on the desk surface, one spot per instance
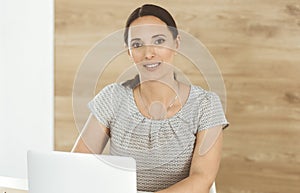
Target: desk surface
(9, 190)
(16, 185)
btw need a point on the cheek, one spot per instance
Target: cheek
(137, 56)
(166, 54)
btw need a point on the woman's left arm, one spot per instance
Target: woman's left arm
(204, 168)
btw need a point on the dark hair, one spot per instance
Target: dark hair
(149, 10)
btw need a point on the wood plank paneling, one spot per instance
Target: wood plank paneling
(257, 47)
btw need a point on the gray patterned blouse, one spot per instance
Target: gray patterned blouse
(162, 148)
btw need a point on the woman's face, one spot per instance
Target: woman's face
(152, 47)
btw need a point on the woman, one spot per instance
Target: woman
(173, 130)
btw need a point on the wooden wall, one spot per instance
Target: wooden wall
(257, 47)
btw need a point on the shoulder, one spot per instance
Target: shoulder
(114, 89)
(204, 100)
(210, 112)
(203, 95)
(112, 93)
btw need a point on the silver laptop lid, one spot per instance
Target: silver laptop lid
(63, 172)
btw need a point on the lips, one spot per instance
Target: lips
(152, 66)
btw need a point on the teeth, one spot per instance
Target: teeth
(151, 65)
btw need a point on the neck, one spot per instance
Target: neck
(155, 90)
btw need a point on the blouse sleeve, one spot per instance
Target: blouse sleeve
(211, 112)
(102, 106)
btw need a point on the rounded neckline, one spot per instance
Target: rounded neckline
(160, 120)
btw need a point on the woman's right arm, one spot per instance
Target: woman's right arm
(92, 138)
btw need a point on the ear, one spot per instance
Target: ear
(128, 51)
(130, 55)
(178, 39)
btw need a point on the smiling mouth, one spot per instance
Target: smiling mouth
(152, 66)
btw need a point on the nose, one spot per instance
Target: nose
(149, 52)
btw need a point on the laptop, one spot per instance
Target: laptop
(64, 172)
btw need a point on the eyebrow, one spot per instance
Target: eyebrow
(158, 35)
(155, 36)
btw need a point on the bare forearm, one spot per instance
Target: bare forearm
(192, 184)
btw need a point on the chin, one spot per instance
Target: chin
(153, 76)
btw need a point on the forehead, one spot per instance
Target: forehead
(148, 26)
(149, 19)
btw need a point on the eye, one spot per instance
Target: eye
(136, 44)
(159, 41)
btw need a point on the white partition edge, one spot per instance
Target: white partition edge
(13, 183)
(26, 83)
